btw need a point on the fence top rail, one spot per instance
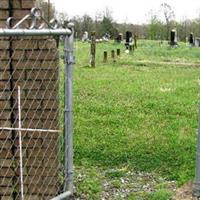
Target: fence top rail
(34, 32)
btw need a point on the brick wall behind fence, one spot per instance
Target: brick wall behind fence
(40, 150)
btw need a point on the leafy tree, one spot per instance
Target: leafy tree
(107, 23)
(78, 26)
(155, 27)
(184, 29)
(87, 24)
(107, 26)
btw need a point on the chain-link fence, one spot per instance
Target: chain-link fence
(35, 114)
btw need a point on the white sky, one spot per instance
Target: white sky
(133, 11)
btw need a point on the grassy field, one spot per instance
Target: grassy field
(135, 121)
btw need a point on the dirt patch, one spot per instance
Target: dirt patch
(145, 62)
(184, 193)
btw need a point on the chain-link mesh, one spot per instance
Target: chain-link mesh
(31, 146)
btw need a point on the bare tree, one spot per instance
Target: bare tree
(155, 26)
(108, 13)
(63, 18)
(169, 16)
(47, 8)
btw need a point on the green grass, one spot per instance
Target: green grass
(139, 116)
(147, 50)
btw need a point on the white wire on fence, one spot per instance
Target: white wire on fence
(20, 144)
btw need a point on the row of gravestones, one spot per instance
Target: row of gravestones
(130, 40)
(105, 38)
(193, 41)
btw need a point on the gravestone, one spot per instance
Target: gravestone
(118, 52)
(191, 39)
(106, 37)
(113, 55)
(119, 38)
(129, 40)
(135, 41)
(173, 38)
(197, 42)
(105, 56)
(93, 49)
(85, 37)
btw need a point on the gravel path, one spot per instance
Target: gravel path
(128, 185)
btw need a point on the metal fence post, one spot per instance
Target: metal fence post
(69, 61)
(196, 191)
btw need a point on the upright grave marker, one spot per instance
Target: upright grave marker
(128, 39)
(93, 49)
(191, 39)
(85, 37)
(135, 41)
(118, 52)
(105, 56)
(119, 38)
(113, 56)
(173, 38)
(197, 42)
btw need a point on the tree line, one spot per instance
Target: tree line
(158, 26)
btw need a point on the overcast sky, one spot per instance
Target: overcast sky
(127, 10)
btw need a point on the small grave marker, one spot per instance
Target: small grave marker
(191, 39)
(93, 48)
(118, 52)
(135, 41)
(105, 56)
(113, 55)
(173, 38)
(197, 42)
(85, 37)
(128, 39)
(119, 38)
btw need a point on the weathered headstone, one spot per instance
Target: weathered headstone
(197, 42)
(135, 41)
(93, 48)
(85, 37)
(173, 38)
(118, 52)
(119, 38)
(105, 56)
(129, 39)
(113, 55)
(106, 37)
(191, 39)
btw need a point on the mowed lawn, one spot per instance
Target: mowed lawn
(137, 115)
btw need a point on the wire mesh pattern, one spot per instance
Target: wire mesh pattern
(30, 118)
